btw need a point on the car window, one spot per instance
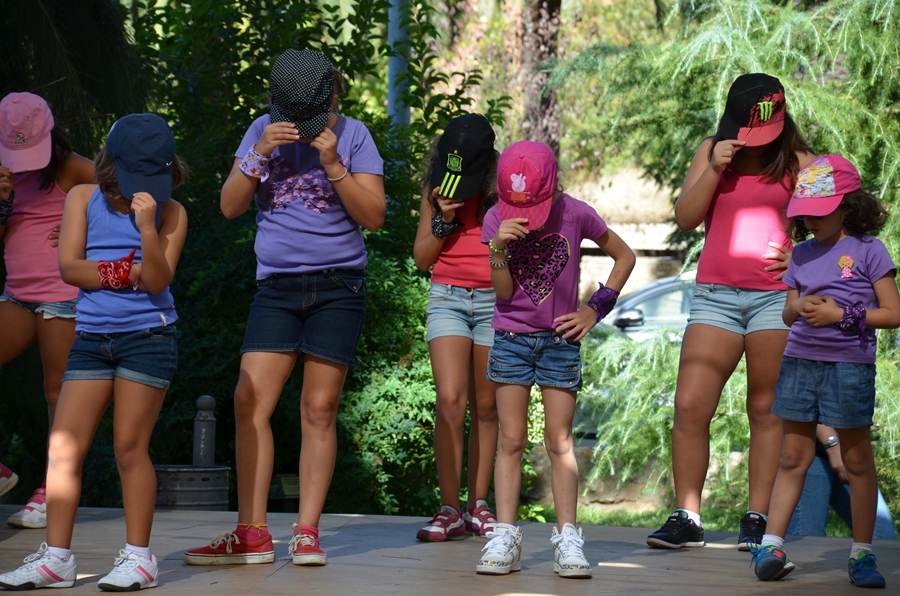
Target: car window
(669, 308)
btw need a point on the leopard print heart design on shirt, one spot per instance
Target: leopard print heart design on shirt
(536, 263)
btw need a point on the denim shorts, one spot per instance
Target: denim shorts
(837, 394)
(148, 356)
(738, 310)
(543, 357)
(464, 312)
(320, 314)
(50, 310)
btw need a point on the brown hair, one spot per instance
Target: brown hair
(488, 189)
(61, 148)
(780, 155)
(105, 174)
(863, 214)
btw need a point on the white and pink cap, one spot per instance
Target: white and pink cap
(25, 125)
(821, 186)
(526, 180)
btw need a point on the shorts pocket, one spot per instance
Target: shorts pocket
(265, 283)
(354, 283)
(440, 293)
(167, 332)
(703, 290)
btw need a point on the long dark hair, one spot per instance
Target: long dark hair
(780, 155)
(61, 149)
(863, 214)
(487, 191)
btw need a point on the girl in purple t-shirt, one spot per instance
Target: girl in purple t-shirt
(316, 177)
(534, 235)
(840, 289)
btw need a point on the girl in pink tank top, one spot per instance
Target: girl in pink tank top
(37, 169)
(739, 185)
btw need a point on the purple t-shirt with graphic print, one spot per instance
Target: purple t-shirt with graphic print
(302, 225)
(844, 270)
(544, 266)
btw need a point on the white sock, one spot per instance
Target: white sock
(858, 547)
(772, 540)
(693, 516)
(62, 554)
(762, 515)
(143, 551)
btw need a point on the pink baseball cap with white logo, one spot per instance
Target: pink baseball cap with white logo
(25, 125)
(526, 180)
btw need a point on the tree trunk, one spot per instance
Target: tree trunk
(540, 24)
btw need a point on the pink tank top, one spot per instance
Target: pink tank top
(463, 261)
(744, 216)
(32, 265)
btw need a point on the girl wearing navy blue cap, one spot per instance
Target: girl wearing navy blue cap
(120, 243)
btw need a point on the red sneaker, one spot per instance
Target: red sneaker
(8, 479)
(305, 549)
(480, 520)
(446, 525)
(228, 549)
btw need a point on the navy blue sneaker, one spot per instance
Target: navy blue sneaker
(863, 572)
(678, 531)
(770, 562)
(753, 526)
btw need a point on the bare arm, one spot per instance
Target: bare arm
(6, 188)
(701, 181)
(887, 315)
(75, 170)
(428, 247)
(508, 231)
(160, 251)
(73, 268)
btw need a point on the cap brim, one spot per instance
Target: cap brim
(760, 135)
(815, 206)
(32, 159)
(535, 213)
(305, 128)
(453, 186)
(159, 187)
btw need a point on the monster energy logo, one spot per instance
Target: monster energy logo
(765, 110)
(448, 185)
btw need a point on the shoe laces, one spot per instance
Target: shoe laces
(500, 542)
(568, 544)
(41, 552)
(228, 538)
(127, 560)
(302, 539)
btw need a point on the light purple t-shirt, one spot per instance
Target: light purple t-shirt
(544, 266)
(302, 225)
(844, 270)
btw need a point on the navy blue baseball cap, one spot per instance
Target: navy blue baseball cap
(143, 149)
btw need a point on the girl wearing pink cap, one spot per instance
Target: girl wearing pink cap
(37, 169)
(738, 185)
(841, 287)
(534, 237)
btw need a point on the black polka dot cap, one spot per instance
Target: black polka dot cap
(301, 88)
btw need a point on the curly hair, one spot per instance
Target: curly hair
(487, 191)
(105, 174)
(863, 214)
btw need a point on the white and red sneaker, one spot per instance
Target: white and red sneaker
(480, 520)
(228, 549)
(41, 570)
(448, 524)
(33, 514)
(8, 480)
(305, 550)
(130, 572)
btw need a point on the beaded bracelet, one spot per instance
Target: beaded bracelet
(6, 208)
(494, 248)
(603, 301)
(255, 165)
(498, 265)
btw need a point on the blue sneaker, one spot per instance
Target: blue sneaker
(770, 562)
(863, 572)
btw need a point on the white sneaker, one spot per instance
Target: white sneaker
(503, 553)
(41, 570)
(33, 515)
(131, 572)
(568, 552)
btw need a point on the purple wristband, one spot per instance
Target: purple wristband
(255, 165)
(603, 301)
(854, 319)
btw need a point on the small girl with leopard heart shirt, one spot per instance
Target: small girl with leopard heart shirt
(534, 234)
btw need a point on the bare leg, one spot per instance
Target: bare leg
(856, 451)
(262, 377)
(136, 411)
(321, 395)
(796, 456)
(55, 337)
(80, 407)
(512, 408)
(708, 357)
(19, 330)
(764, 351)
(451, 365)
(483, 427)
(559, 410)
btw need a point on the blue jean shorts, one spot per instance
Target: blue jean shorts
(148, 356)
(543, 358)
(320, 314)
(837, 394)
(463, 312)
(738, 310)
(50, 310)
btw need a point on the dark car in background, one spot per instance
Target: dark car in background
(663, 303)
